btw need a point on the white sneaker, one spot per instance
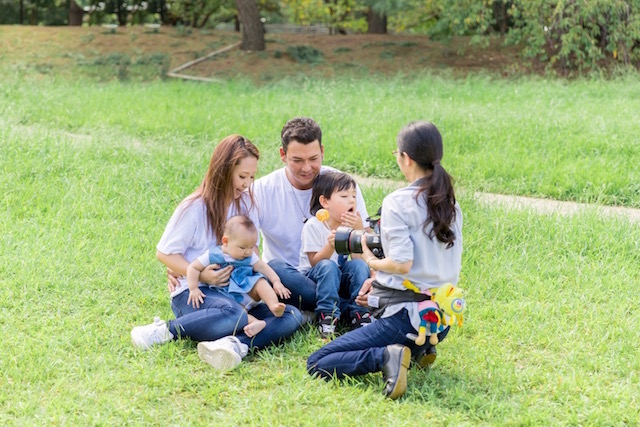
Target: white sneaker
(145, 336)
(223, 354)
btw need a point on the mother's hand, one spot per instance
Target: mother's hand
(216, 276)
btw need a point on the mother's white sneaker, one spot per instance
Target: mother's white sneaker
(223, 354)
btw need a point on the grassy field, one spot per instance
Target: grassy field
(90, 174)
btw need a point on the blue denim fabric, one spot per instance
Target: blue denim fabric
(354, 273)
(325, 288)
(303, 289)
(220, 316)
(361, 351)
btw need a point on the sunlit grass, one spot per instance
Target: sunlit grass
(91, 173)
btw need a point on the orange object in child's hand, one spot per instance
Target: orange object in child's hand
(322, 215)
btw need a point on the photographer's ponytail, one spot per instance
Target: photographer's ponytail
(423, 143)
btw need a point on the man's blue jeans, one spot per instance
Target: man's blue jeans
(325, 288)
(220, 316)
(361, 351)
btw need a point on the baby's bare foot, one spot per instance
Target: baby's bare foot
(278, 309)
(252, 329)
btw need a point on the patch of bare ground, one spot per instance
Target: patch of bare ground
(61, 49)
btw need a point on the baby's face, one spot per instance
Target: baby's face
(239, 247)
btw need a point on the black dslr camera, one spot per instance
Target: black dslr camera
(349, 240)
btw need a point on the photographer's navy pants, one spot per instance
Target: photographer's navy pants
(361, 351)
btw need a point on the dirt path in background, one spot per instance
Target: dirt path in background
(546, 206)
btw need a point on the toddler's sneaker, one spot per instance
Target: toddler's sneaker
(223, 354)
(154, 333)
(360, 319)
(327, 325)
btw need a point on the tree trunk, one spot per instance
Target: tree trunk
(377, 22)
(75, 14)
(252, 30)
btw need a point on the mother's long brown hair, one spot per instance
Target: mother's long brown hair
(216, 189)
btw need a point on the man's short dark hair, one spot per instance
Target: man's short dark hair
(301, 129)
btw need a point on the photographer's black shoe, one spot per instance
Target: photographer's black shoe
(394, 371)
(425, 358)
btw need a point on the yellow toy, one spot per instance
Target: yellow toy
(446, 300)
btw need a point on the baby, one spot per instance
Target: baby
(248, 275)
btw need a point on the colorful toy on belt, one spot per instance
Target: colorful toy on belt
(446, 301)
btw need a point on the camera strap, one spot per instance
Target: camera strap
(381, 297)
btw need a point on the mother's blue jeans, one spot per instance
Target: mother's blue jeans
(219, 316)
(361, 351)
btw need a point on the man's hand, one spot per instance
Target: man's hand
(216, 276)
(363, 295)
(281, 290)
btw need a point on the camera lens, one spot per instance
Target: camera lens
(349, 241)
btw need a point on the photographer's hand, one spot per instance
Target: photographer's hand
(363, 295)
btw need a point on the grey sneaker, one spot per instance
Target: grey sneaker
(223, 354)
(394, 371)
(144, 337)
(327, 325)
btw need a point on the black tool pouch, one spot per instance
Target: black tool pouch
(381, 297)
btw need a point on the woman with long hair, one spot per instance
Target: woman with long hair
(421, 234)
(196, 225)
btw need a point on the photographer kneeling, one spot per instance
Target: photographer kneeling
(421, 234)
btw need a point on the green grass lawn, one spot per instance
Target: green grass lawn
(90, 174)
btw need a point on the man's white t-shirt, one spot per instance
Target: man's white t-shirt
(187, 232)
(282, 210)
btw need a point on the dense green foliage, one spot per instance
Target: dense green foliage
(569, 36)
(90, 173)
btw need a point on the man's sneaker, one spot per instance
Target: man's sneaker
(223, 354)
(327, 325)
(154, 333)
(394, 371)
(359, 320)
(425, 358)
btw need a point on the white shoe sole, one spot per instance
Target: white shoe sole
(219, 357)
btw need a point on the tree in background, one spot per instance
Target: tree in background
(252, 28)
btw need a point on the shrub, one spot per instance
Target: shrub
(305, 54)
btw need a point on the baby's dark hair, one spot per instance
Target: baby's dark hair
(239, 223)
(422, 142)
(326, 184)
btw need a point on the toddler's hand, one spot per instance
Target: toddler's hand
(353, 220)
(196, 297)
(331, 239)
(281, 290)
